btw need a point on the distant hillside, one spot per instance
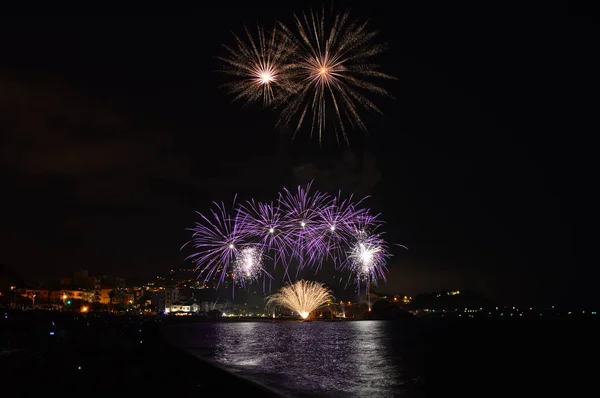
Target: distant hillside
(8, 277)
(451, 300)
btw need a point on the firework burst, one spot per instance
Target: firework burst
(336, 226)
(301, 210)
(248, 266)
(367, 258)
(264, 224)
(331, 71)
(217, 239)
(258, 64)
(302, 297)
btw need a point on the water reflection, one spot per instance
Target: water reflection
(341, 359)
(376, 372)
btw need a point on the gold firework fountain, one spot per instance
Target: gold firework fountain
(302, 297)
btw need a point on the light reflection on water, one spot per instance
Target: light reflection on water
(341, 359)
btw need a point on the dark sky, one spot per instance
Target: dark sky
(114, 130)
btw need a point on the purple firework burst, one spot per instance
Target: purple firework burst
(302, 217)
(335, 229)
(216, 239)
(264, 224)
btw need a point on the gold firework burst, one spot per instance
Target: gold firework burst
(330, 72)
(258, 64)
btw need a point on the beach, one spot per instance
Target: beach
(102, 353)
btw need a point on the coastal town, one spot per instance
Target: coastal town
(180, 293)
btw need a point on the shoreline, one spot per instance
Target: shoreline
(248, 384)
(53, 351)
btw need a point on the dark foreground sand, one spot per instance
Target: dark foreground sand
(126, 356)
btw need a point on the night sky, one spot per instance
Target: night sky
(115, 130)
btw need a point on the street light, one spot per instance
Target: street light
(12, 289)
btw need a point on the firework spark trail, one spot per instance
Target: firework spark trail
(363, 224)
(258, 66)
(302, 297)
(330, 71)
